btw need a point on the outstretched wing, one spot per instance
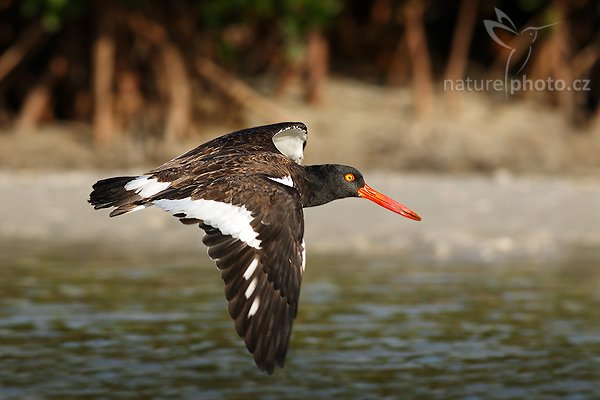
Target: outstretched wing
(287, 138)
(254, 233)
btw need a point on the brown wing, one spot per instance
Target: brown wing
(262, 285)
(234, 150)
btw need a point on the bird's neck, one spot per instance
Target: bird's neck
(316, 189)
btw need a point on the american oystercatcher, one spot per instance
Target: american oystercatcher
(246, 190)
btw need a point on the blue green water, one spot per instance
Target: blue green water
(82, 323)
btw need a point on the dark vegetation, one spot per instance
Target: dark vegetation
(161, 69)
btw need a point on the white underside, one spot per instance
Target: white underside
(146, 186)
(227, 218)
(137, 208)
(290, 142)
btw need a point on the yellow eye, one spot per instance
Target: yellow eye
(349, 177)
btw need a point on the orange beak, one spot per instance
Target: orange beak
(368, 192)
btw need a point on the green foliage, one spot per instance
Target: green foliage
(217, 13)
(532, 5)
(52, 13)
(294, 18)
(304, 13)
(299, 16)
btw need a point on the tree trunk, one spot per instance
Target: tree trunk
(552, 59)
(38, 101)
(419, 58)
(461, 41)
(129, 102)
(174, 79)
(35, 106)
(180, 93)
(103, 75)
(398, 69)
(238, 91)
(563, 53)
(29, 37)
(317, 59)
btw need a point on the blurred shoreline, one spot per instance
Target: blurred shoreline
(369, 126)
(468, 218)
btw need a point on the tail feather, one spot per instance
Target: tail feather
(111, 192)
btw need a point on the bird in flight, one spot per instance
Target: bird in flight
(247, 190)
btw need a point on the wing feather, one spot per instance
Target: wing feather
(262, 286)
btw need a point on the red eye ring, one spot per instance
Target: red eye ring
(349, 177)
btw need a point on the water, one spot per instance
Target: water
(85, 324)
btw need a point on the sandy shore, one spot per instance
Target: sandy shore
(474, 218)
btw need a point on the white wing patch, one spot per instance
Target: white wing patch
(251, 268)
(227, 218)
(146, 186)
(290, 142)
(254, 307)
(303, 255)
(251, 288)
(286, 180)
